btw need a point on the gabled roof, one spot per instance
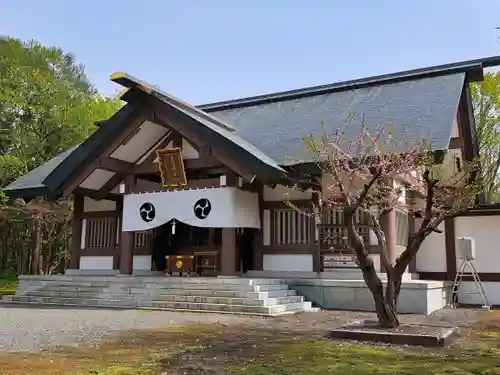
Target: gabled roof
(214, 123)
(417, 104)
(415, 109)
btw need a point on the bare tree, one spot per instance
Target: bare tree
(50, 228)
(359, 176)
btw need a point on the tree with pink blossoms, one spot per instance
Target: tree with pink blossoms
(360, 175)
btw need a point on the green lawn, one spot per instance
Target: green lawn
(250, 350)
(8, 286)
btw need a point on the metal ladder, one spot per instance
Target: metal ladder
(458, 280)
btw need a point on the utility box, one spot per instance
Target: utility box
(466, 248)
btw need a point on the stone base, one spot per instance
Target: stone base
(111, 273)
(417, 296)
(268, 297)
(416, 335)
(339, 274)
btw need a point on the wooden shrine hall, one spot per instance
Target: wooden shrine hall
(209, 184)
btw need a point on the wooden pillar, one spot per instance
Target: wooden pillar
(388, 224)
(76, 232)
(228, 252)
(127, 238)
(413, 225)
(315, 248)
(451, 257)
(119, 221)
(257, 261)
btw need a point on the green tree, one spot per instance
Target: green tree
(47, 104)
(486, 100)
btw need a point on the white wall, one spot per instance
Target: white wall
(486, 232)
(288, 262)
(142, 262)
(96, 262)
(91, 205)
(431, 256)
(282, 193)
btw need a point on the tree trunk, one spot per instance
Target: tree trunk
(386, 313)
(385, 310)
(389, 310)
(35, 259)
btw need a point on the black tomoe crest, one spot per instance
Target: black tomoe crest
(147, 212)
(202, 208)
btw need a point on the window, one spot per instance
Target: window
(289, 226)
(100, 232)
(401, 228)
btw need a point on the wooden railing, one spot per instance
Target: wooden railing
(333, 231)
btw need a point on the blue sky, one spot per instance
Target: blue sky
(210, 50)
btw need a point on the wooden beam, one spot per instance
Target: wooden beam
(110, 185)
(145, 186)
(161, 117)
(456, 143)
(101, 162)
(151, 152)
(113, 165)
(233, 164)
(94, 194)
(129, 127)
(188, 164)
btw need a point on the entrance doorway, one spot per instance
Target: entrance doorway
(245, 248)
(200, 247)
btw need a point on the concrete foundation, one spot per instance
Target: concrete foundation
(417, 296)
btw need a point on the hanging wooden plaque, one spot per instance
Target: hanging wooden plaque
(171, 167)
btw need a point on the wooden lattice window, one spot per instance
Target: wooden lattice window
(171, 167)
(100, 233)
(143, 239)
(290, 227)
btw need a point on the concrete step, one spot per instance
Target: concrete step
(181, 306)
(148, 292)
(132, 281)
(71, 301)
(141, 289)
(227, 295)
(215, 307)
(229, 300)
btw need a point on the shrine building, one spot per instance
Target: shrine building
(218, 176)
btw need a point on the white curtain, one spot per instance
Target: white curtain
(224, 207)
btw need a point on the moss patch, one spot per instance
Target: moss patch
(8, 286)
(250, 350)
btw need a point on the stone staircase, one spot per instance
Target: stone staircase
(269, 297)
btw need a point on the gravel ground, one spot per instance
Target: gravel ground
(32, 329)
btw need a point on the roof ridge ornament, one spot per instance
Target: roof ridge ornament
(130, 82)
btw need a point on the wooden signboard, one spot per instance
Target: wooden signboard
(171, 167)
(339, 260)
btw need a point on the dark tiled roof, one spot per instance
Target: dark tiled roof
(419, 104)
(35, 178)
(415, 110)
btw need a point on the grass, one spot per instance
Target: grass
(8, 286)
(251, 350)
